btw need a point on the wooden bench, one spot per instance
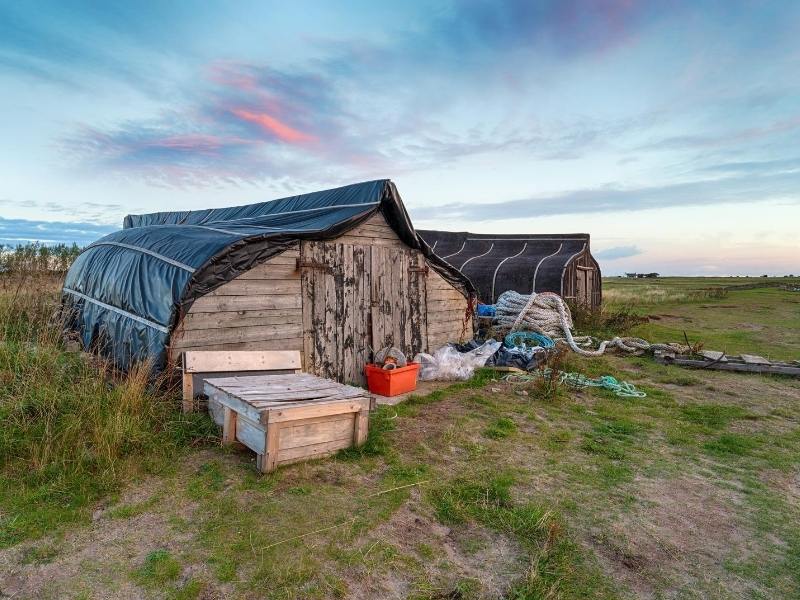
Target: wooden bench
(291, 417)
(201, 364)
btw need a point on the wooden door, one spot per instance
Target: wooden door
(590, 274)
(356, 300)
(398, 299)
(580, 286)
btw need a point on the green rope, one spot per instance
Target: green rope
(623, 389)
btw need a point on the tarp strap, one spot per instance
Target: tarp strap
(494, 277)
(166, 259)
(124, 313)
(474, 257)
(540, 264)
(294, 212)
(459, 250)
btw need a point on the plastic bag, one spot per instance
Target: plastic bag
(448, 364)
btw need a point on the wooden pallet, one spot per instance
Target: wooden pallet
(719, 361)
(290, 418)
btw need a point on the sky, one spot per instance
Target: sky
(668, 130)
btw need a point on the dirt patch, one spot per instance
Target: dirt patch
(678, 518)
(97, 560)
(486, 561)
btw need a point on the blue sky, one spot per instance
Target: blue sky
(670, 131)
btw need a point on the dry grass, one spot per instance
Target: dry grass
(73, 429)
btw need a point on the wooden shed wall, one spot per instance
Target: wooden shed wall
(582, 281)
(383, 286)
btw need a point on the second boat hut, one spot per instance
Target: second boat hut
(525, 263)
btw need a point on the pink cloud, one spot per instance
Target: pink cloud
(273, 126)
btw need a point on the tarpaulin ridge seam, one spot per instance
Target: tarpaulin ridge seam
(530, 239)
(294, 212)
(118, 310)
(536, 272)
(166, 259)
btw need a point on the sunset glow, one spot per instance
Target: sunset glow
(273, 126)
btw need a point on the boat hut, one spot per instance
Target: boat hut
(525, 263)
(336, 274)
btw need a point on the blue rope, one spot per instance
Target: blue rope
(521, 338)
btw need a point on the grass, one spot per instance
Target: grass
(472, 491)
(763, 321)
(73, 431)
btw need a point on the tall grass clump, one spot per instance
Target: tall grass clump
(605, 322)
(71, 428)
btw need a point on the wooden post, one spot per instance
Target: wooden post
(361, 427)
(270, 459)
(228, 427)
(188, 393)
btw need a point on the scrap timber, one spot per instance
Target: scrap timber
(289, 418)
(719, 361)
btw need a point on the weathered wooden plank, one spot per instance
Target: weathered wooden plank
(241, 318)
(754, 359)
(269, 461)
(311, 410)
(714, 355)
(195, 362)
(290, 455)
(348, 315)
(308, 288)
(270, 344)
(228, 426)
(451, 294)
(255, 287)
(451, 327)
(332, 312)
(210, 303)
(360, 313)
(251, 434)
(370, 241)
(459, 303)
(243, 408)
(378, 282)
(295, 434)
(234, 335)
(361, 427)
(188, 392)
(273, 271)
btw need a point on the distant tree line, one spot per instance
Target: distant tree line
(35, 257)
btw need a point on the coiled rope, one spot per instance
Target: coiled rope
(546, 313)
(623, 389)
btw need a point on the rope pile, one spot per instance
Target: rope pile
(623, 389)
(546, 313)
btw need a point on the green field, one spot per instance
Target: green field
(485, 489)
(763, 321)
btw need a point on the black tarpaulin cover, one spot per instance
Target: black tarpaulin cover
(126, 292)
(495, 263)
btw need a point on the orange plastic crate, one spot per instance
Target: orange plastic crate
(392, 382)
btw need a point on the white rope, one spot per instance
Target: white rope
(548, 314)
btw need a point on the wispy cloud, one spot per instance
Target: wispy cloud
(102, 214)
(616, 198)
(20, 231)
(617, 252)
